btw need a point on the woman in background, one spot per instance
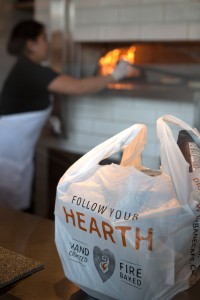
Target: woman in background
(25, 106)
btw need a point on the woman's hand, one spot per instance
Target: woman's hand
(123, 69)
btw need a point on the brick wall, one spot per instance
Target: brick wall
(91, 120)
(138, 20)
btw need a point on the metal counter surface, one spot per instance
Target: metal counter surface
(33, 237)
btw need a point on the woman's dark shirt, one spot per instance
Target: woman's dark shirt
(25, 88)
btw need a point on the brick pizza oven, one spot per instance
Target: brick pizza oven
(166, 37)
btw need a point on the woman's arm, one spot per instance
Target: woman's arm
(64, 84)
(69, 85)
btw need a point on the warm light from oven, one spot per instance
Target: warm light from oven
(108, 62)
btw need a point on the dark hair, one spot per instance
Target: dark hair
(21, 33)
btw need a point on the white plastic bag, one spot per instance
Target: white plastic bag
(122, 234)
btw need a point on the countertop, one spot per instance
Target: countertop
(33, 237)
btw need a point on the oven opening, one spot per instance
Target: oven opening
(158, 63)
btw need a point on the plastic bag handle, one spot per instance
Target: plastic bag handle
(172, 160)
(104, 150)
(177, 122)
